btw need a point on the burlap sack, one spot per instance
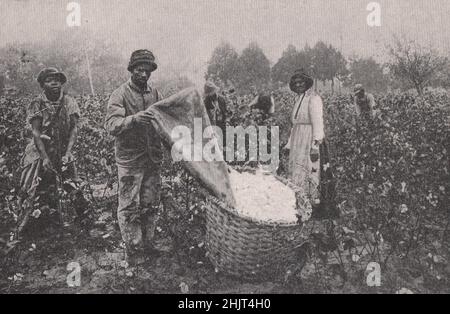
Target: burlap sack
(180, 110)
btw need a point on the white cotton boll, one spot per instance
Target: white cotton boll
(263, 197)
(403, 208)
(184, 287)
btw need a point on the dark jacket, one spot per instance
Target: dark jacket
(135, 144)
(217, 112)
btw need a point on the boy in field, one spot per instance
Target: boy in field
(48, 163)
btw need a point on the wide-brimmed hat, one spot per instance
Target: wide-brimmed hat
(357, 88)
(46, 72)
(210, 88)
(142, 56)
(301, 74)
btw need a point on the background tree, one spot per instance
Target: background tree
(284, 65)
(369, 73)
(19, 67)
(414, 64)
(254, 69)
(223, 65)
(339, 69)
(328, 63)
(21, 64)
(321, 62)
(289, 62)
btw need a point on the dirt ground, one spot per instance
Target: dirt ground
(43, 268)
(48, 262)
(42, 263)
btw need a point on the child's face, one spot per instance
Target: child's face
(52, 84)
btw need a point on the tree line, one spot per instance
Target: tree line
(97, 67)
(410, 65)
(92, 66)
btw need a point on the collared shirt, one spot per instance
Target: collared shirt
(58, 132)
(135, 144)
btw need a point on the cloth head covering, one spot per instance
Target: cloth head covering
(142, 56)
(46, 72)
(357, 88)
(301, 74)
(210, 88)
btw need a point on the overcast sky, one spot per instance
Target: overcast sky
(186, 31)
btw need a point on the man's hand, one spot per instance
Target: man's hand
(314, 154)
(144, 117)
(47, 164)
(68, 157)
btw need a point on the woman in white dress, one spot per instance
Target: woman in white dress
(309, 165)
(306, 135)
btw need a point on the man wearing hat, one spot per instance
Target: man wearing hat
(215, 107)
(364, 102)
(48, 160)
(138, 152)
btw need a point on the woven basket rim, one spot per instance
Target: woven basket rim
(224, 206)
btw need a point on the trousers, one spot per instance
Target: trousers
(139, 199)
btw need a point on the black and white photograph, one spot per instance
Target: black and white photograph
(237, 148)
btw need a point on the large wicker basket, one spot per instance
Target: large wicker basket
(249, 248)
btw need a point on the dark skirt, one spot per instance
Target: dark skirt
(327, 188)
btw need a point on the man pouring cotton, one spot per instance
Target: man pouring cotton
(138, 152)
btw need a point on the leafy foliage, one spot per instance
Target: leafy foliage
(392, 180)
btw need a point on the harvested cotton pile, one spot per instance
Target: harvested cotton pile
(263, 197)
